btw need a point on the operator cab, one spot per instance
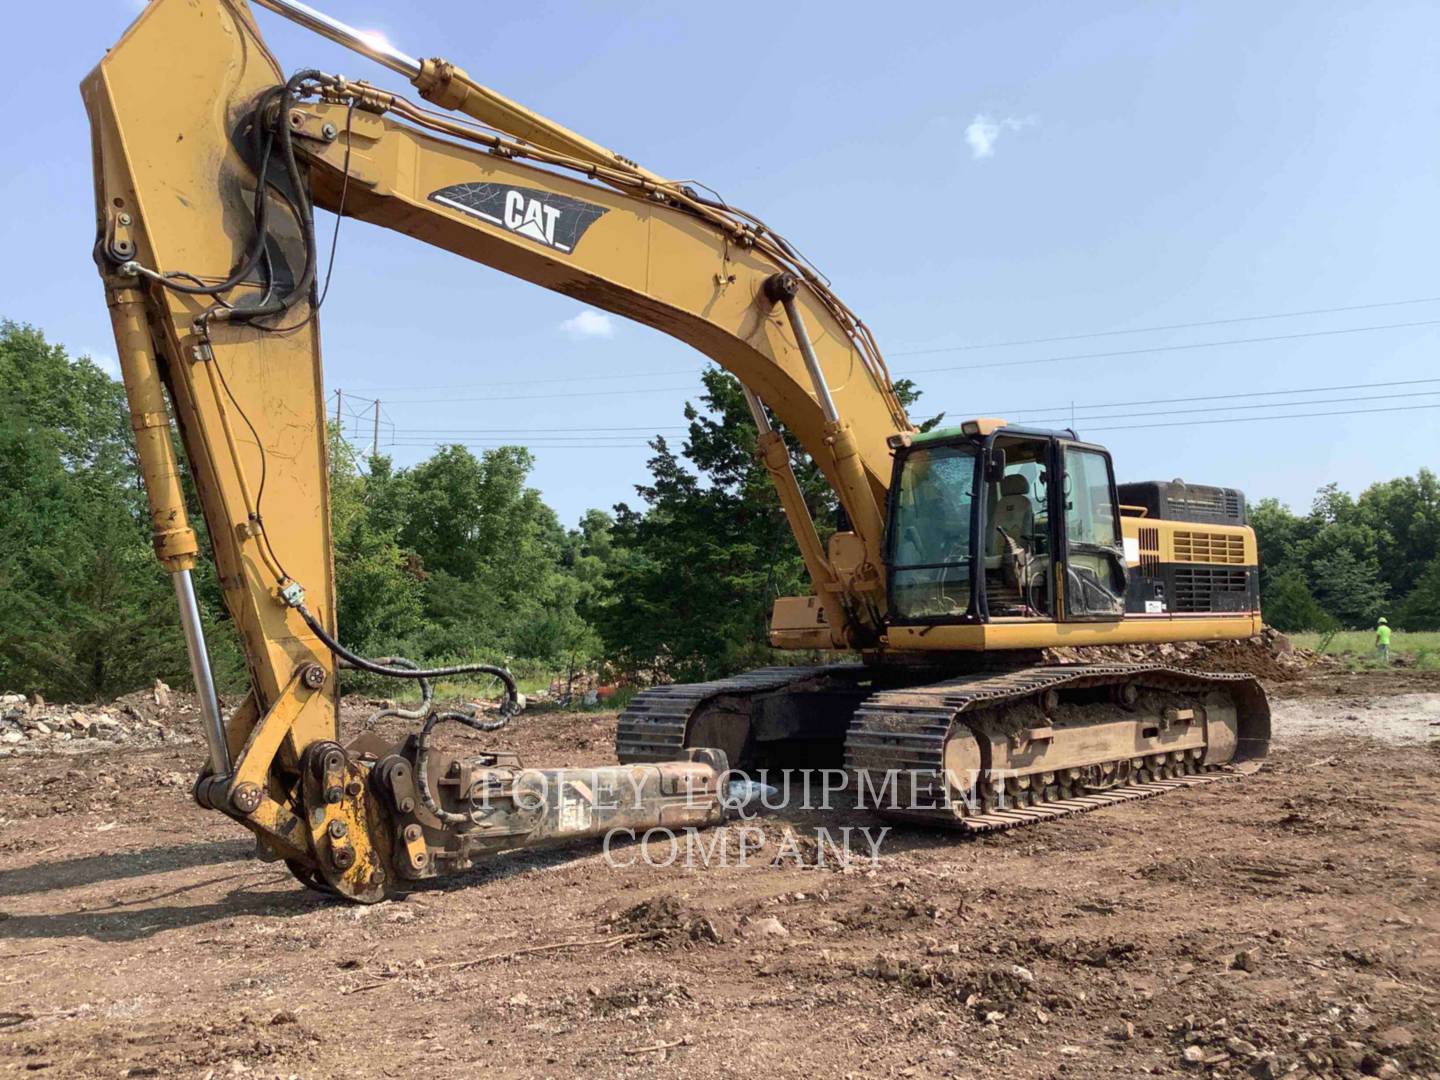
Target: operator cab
(991, 523)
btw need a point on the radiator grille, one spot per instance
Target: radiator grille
(1196, 587)
(1207, 547)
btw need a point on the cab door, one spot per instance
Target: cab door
(1090, 572)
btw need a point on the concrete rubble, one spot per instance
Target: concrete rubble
(154, 717)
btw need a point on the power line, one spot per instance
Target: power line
(1235, 408)
(1114, 416)
(399, 433)
(1212, 397)
(1256, 419)
(954, 367)
(350, 410)
(610, 376)
(530, 446)
(368, 412)
(1170, 326)
(620, 437)
(524, 430)
(537, 397)
(1113, 427)
(599, 440)
(1175, 348)
(527, 382)
(447, 440)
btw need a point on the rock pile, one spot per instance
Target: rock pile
(30, 725)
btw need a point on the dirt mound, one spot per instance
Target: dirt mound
(1250, 657)
(988, 991)
(667, 918)
(1269, 655)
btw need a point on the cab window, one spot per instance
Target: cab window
(1094, 557)
(930, 535)
(1017, 532)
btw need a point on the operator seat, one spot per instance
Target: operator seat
(1014, 514)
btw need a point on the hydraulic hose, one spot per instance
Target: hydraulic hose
(427, 695)
(398, 667)
(264, 139)
(508, 707)
(422, 759)
(305, 217)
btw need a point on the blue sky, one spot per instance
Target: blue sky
(966, 174)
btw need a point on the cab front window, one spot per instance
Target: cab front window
(930, 549)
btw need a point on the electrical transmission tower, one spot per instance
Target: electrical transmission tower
(351, 413)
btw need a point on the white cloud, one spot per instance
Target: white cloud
(983, 132)
(588, 324)
(104, 360)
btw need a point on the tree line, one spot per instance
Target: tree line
(454, 559)
(1353, 559)
(459, 558)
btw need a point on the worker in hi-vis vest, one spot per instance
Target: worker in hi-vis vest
(1382, 640)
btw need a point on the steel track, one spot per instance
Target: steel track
(905, 730)
(654, 724)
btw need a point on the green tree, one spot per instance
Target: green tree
(1355, 553)
(85, 609)
(1348, 587)
(1404, 515)
(379, 585)
(1290, 606)
(690, 589)
(1421, 607)
(490, 549)
(1279, 535)
(1342, 559)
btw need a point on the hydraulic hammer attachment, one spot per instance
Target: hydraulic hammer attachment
(507, 806)
(373, 818)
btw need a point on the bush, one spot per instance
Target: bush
(1290, 606)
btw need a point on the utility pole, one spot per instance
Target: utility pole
(339, 398)
(375, 440)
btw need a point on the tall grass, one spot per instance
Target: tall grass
(1357, 647)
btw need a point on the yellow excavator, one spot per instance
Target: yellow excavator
(963, 553)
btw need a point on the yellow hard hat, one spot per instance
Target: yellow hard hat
(1382, 620)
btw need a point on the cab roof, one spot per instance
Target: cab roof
(981, 427)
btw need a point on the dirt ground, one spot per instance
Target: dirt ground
(1286, 924)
